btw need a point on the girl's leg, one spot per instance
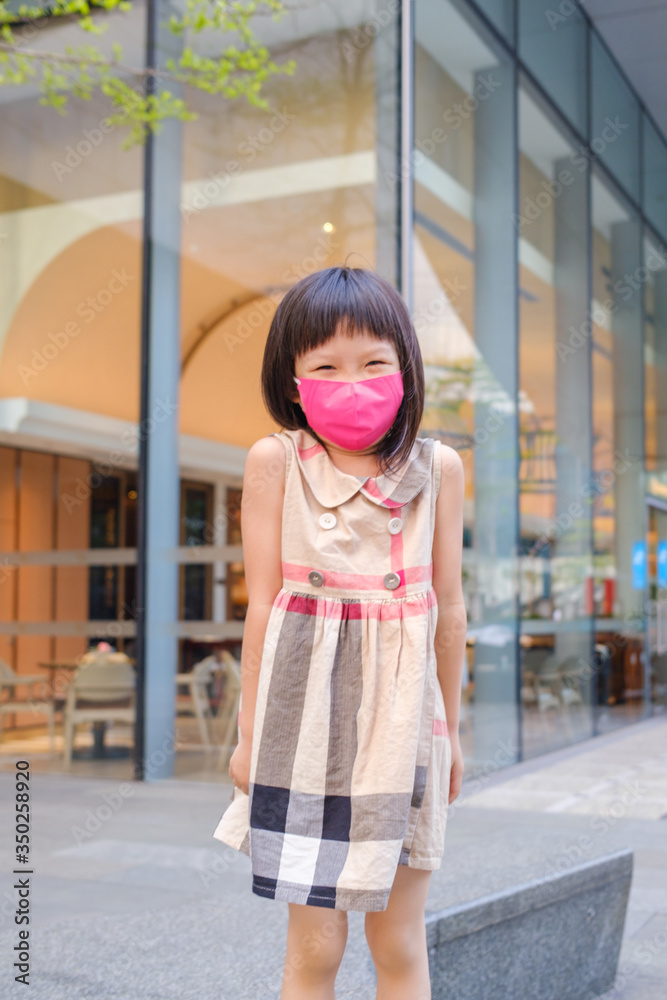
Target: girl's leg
(397, 938)
(316, 939)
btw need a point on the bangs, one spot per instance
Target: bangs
(350, 301)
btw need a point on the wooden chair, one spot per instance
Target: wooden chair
(102, 690)
(9, 681)
(196, 699)
(228, 714)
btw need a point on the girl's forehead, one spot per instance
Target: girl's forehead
(358, 342)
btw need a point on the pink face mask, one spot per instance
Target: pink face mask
(351, 414)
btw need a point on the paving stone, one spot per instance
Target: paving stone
(137, 910)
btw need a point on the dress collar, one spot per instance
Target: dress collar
(332, 487)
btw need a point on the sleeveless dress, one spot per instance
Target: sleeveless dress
(351, 757)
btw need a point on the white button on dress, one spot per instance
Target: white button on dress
(395, 525)
(327, 520)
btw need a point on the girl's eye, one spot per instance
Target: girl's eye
(376, 362)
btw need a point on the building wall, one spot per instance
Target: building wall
(517, 305)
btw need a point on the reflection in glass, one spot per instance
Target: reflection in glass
(273, 195)
(657, 607)
(552, 43)
(655, 353)
(655, 410)
(655, 177)
(70, 279)
(555, 475)
(464, 313)
(501, 12)
(105, 514)
(196, 578)
(614, 119)
(617, 487)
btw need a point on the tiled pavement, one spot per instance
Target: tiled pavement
(133, 900)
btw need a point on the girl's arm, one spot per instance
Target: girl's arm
(261, 532)
(450, 635)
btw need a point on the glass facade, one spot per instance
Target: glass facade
(654, 285)
(615, 120)
(491, 160)
(618, 428)
(553, 47)
(464, 299)
(555, 432)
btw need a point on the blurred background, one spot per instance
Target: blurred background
(504, 164)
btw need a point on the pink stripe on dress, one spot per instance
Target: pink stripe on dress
(333, 607)
(359, 581)
(306, 453)
(372, 488)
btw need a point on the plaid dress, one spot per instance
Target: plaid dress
(351, 757)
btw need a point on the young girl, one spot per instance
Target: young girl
(348, 752)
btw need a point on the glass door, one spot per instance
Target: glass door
(656, 639)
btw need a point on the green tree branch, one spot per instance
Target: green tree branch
(240, 70)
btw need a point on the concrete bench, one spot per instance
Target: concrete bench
(553, 938)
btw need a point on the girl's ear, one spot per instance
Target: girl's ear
(295, 397)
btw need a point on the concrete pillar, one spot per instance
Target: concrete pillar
(158, 481)
(496, 441)
(628, 381)
(573, 450)
(387, 53)
(660, 363)
(654, 643)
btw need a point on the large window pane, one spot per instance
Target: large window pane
(70, 252)
(554, 358)
(656, 658)
(552, 43)
(617, 492)
(465, 316)
(655, 374)
(272, 195)
(70, 281)
(655, 287)
(269, 196)
(655, 177)
(614, 119)
(501, 12)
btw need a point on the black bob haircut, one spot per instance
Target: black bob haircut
(353, 300)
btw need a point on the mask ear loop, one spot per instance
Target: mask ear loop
(310, 429)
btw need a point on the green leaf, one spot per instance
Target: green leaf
(79, 71)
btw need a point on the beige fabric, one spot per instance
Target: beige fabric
(351, 756)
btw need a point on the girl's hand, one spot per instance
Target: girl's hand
(456, 775)
(239, 765)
